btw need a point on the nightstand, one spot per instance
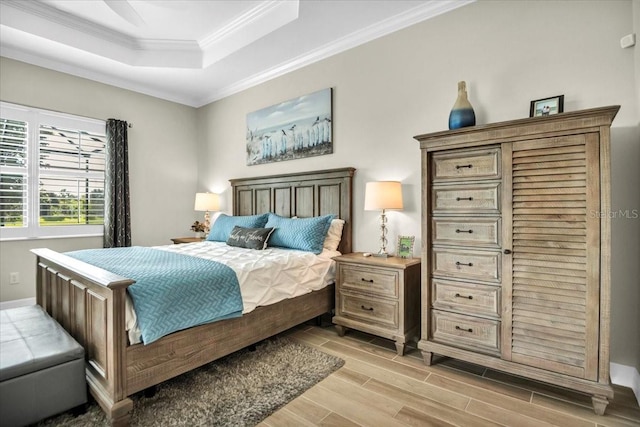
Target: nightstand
(177, 240)
(380, 296)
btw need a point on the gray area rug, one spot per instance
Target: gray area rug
(241, 389)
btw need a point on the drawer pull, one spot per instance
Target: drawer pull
(463, 166)
(463, 329)
(464, 198)
(458, 264)
(365, 280)
(365, 308)
(464, 231)
(464, 296)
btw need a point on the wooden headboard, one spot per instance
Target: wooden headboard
(304, 195)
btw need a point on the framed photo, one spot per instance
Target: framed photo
(547, 106)
(405, 246)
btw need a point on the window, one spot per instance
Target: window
(51, 173)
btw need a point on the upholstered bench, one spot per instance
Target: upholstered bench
(41, 367)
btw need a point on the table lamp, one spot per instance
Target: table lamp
(382, 195)
(207, 202)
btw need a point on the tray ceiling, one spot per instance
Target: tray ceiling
(195, 52)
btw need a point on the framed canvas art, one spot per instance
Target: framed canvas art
(294, 129)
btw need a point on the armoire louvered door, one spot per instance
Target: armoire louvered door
(554, 233)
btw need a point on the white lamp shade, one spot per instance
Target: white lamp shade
(207, 202)
(383, 195)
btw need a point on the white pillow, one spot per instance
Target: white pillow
(213, 217)
(334, 235)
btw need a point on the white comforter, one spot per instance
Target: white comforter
(265, 277)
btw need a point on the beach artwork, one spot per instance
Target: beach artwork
(297, 128)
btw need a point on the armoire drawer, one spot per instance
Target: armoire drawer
(370, 310)
(467, 232)
(468, 332)
(484, 266)
(467, 164)
(370, 280)
(467, 298)
(466, 199)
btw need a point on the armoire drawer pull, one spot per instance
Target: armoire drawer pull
(458, 263)
(463, 166)
(366, 308)
(463, 329)
(464, 231)
(367, 280)
(464, 198)
(464, 296)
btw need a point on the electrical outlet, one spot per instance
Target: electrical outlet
(14, 278)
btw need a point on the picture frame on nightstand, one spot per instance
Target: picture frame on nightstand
(404, 248)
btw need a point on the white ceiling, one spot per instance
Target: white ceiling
(195, 52)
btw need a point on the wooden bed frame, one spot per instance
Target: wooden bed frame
(90, 302)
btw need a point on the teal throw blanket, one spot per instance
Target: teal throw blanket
(172, 291)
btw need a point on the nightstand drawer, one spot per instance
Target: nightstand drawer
(370, 310)
(461, 165)
(467, 298)
(467, 264)
(466, 199)
(369, 279)
(466, 331)
(467, 232)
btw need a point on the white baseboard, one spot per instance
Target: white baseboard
(626, 376)
(17, 303)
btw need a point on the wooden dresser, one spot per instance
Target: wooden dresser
(516, 248)
(380, 296)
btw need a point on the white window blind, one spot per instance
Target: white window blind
(13, 179)
(51, 173)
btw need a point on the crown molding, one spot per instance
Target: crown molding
(412, 16)
(96, 76)
(256, 23)
(415, 15)
(247, 19)
(46, 21)
(45, 14)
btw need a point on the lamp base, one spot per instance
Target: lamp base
(382, 255)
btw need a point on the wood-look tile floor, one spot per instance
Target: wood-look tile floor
(376, 387)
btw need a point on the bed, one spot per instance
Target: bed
(90, 303)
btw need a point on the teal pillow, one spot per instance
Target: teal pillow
(221, 229)
(305, 234)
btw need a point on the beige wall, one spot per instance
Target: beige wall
(385, 92)
(404, 84)
(162, 159)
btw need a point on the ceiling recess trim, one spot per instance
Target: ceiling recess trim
(418, 14)
(50, 23)
(410, 17)
(247, 28)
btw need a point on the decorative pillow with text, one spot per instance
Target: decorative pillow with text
(249, 238)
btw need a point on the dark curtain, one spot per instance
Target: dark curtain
(117, 216)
